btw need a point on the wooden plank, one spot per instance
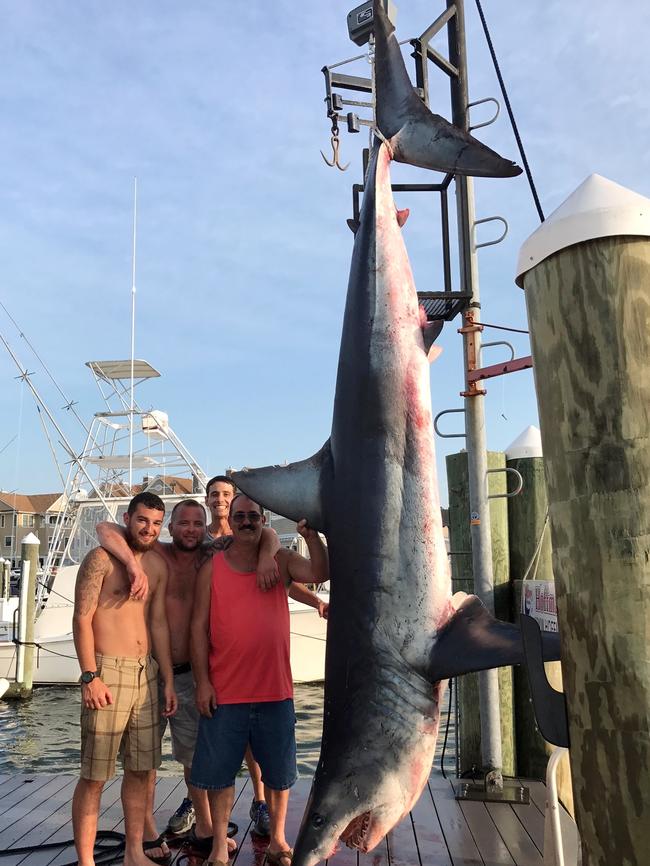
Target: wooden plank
(37, 826)
(533, 822)
(458, 837)
(432, 848)
(26, 787)
(109, 815)
(168, 790)
(522, 848)
(60, 825)
(343, 856)
(13, 826)
(379, 856)
(13, 782)
(402, 845)
(488, 839)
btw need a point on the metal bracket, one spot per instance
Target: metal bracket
(470, 328)
(499, 343)
(447, 435)
(518, 489)
(496, 240)
(493, 788)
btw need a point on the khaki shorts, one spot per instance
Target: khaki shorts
(184, 725)
(129, 726)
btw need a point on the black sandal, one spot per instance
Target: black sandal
(163, 859)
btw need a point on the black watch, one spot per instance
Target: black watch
(88, 676)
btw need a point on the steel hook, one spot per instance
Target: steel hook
(334, 141)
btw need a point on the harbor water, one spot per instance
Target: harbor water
(42, 734)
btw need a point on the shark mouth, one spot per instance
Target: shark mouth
(355, 834)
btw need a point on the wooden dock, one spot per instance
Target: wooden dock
(440, 831)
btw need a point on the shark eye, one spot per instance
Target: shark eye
(317, 820)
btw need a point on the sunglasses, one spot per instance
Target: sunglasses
(241, 516)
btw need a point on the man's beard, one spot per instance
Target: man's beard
(136, 544)
(186, 548)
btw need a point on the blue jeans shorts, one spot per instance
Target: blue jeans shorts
(269, 727)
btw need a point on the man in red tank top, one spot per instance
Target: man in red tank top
(240, 660)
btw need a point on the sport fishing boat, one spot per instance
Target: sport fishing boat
(123, 442)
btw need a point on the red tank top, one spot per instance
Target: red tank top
(249, 638)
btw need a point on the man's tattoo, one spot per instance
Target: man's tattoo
(90, 578)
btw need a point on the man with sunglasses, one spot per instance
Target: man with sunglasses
(240, 659)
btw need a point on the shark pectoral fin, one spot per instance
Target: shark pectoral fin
(294, 491)
(430, 333)
(473, 640)
(402, 216)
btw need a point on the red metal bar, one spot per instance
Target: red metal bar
(500, 369)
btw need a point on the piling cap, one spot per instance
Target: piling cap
(599, 208)
(527, 444)
(30, 539)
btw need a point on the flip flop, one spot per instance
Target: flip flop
(163, 859)
(276, 857)
(203, 844)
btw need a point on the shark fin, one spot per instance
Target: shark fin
(294, 491)
(473, 640)
(430, 333)
(417, 136)
(402, 216)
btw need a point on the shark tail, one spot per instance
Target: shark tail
(416, 135)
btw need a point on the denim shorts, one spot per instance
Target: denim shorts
(269, 727)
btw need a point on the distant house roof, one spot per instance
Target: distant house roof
(32, 503)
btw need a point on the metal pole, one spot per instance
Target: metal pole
(132, 402)
(474, 407)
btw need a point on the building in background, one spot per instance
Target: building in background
(22, 513)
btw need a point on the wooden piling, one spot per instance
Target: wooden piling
(589, 313)
(468, 732)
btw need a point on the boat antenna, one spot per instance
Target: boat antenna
(69, 404)
(132, 404)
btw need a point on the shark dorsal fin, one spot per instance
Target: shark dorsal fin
(294, 491)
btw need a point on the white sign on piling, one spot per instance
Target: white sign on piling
(538, 601)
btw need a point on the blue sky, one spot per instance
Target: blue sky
(243, 250)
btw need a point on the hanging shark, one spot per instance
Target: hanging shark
(395, 632)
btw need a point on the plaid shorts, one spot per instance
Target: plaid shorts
(129, 726)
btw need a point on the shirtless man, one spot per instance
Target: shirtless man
(184, 555)
(113, 635)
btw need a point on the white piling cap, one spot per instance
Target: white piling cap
(30, 539)
(527, 444)
(598, 208)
